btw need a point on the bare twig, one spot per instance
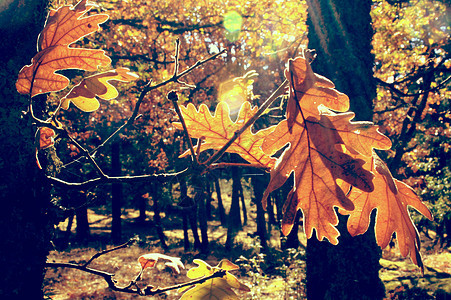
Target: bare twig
(164, 177)
(174, 98)
(98, 254)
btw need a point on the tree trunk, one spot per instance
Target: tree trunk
(200, 200)
(208, 199)
(24, 222)
(234, 217)
(116, 228)
(221, 210)
(142, 206)
(243, 204)
(258, 184)
(340, 31)
(81, 212)
(157, 217)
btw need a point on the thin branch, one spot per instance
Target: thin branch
(98, 254)
(119, 179)
(393, 88)
(245, 165)
(132, 287)
(174, 98)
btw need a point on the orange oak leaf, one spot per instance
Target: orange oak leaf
(359, 137)
(391, 198)
(84, 94)
(63, 27)
(216, 130)
(317, 163)
(309, 90)
(318, 139)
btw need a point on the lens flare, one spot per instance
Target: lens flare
(234, 94)
(233, 21)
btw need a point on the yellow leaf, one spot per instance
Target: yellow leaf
(84, 94)
(218, 129)
(216, 288)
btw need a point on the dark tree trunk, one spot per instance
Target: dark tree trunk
(81, 212)
(189, 216)
(221, 210)
(157, 217)
(340, 31)
(208, 199)
(200, 200)
(293, 238)
(186, 243)
(234, 217)
(142, 206)
(116, 226)
(243, 204)
(24, 218)
(258, 184)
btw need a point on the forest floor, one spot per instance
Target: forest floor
(281, 275)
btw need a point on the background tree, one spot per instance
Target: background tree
(341, 33)
(26, 214)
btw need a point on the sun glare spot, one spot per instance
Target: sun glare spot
(234, 94)
(232, 23)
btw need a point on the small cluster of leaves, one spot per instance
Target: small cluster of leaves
(332, 159)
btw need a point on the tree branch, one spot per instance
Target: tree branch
(132, 287)
(119, 179)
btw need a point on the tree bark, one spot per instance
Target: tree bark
(340, 31)
(221, 210)
(157, 218)
(81, 212)
(234, 217)
(24, 222)
(258, 184)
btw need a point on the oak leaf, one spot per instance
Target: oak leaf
(84, 94)
(150, 260)
(216, 131)
(216, 288)
(63, 27)
(46, 137)
(391, 198)
(309, 90)
(318, 139)
(317, 163)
